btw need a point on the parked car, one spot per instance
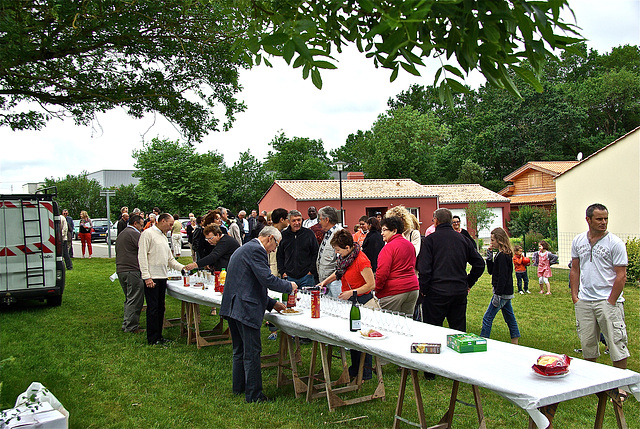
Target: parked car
(113, 231)
(76, 228)
(100, 227)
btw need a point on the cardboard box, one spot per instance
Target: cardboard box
(428, 348)
(467, 343)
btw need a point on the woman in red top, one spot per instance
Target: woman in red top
(354, 270)
(396, 280)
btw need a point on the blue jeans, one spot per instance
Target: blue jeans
(507, 313)
(522, 276)
(306, 281)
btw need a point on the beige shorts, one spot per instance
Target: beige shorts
(593, 317)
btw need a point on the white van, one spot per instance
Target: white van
(31, 265)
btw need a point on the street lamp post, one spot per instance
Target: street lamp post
(108, 193)
(340, 167)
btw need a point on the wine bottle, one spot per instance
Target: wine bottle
(285, 298)
(354, 315)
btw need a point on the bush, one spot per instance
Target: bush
(553, 244)
(633, 253)
(516, 241)
(531, 241)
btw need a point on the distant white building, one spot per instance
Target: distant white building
(610, 176)
(109, 178)
(32, 187)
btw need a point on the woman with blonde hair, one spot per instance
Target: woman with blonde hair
(411, 225)
(85, 232)
(500, 266)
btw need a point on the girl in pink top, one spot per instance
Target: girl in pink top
(544, 266)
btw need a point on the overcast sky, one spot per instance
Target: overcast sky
(277, 99)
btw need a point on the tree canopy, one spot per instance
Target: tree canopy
(180, 58)
(297, 158)
(176, 178)
(77, 193)
(80, 58)
(494, 36)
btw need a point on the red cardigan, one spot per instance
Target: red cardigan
(396, 268)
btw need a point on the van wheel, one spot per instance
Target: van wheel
(54, 301)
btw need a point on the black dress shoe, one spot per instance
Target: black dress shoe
(165, 341)
(429, 376)
(157, 343)
(262, 398)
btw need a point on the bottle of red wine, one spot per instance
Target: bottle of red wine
(354, 315)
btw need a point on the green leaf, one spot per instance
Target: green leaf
(410, 68)
(288, 51)
(275, 39)
(457, 86)
(394, 74)
(528, 76)
(316, 78)
(454, 70)
(324, 65)
(302, 48)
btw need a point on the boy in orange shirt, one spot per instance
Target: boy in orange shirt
(520, 263)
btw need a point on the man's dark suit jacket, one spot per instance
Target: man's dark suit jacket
(221, 253)
(245, 297)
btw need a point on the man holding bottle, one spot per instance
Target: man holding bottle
(244, 302)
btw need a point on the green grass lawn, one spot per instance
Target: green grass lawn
(108, 379)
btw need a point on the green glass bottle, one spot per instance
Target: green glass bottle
(354, 315)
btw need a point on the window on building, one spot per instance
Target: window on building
(416, 212)
(535, 180)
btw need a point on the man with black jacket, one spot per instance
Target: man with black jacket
(444, 282)
(297, 252)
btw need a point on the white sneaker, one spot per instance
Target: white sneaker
(528, 291)
(521, 293)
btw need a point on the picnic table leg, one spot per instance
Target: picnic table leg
(447, 419)
(418, 396)
(332, 399)
(312, 372)
(603, 398)
(476, 397)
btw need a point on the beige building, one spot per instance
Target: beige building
(610, 176)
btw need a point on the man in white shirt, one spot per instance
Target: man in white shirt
(313, 218)
(598, 274)
(154, 255)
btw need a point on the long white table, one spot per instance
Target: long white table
(504, 368)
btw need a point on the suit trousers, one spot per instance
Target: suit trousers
(247, 347)
(133, 288)
(436, 307)
(66, 256)
(155, 309)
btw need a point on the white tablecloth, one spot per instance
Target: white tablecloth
(504, 368)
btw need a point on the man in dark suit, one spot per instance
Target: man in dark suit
(123, 222)
(244, 301)
(219, 257)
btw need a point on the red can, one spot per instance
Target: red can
(216, 283)
(315, 304)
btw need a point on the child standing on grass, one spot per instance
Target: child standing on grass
(500, 267)
(544, 266)
(520, 263)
